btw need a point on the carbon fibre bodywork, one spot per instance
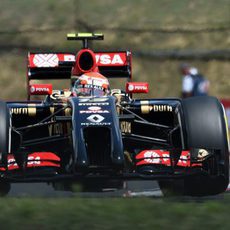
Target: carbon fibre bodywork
(93, 134)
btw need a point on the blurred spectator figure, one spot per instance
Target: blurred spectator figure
(193, 83)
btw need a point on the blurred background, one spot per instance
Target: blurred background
(161, 35)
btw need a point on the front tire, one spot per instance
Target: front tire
(4, 188)
(4, 133)
(206, 128)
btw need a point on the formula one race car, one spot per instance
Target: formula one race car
(100, 137)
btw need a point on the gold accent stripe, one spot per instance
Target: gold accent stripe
(145, 107)
(71, 35)
(32, 110)
(68, 112)
(51, 110)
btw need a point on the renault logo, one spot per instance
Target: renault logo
(95, 118)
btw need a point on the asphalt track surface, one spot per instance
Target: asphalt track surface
(133, 189)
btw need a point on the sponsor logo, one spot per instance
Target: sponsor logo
(152, 157)
(38, 89)
(100, 99)
(84, 99)
(45, 60)
(95, 118)
(93, 101)
(159, 156)
(131, 87)
(106, 59)
(125, 127)
(94, 108)
(36, 159)
(31, 111)
(162, 108)
(69, 57)
(137, 87)
(31, 160)
(93, 104)
(146, 108)
(99, 124)
(32, 89)
(19, 110)
(92, 111)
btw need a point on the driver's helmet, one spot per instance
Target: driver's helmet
(91, 84)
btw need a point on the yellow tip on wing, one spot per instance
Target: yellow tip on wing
(98, 34)
(84, 35)
(71, 35)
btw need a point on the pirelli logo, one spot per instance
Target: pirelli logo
(146, 108)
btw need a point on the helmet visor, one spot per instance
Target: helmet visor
(89, 90)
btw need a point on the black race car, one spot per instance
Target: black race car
(100, 141)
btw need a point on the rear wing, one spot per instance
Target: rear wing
(59, 65)
(49, 66)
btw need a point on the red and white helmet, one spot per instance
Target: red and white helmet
(91, 84)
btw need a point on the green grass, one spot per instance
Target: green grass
(112, 213)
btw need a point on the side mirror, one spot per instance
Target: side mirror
(137, 87)
(40, 89)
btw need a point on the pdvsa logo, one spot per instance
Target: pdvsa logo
(137, 87)
(94, 108)
(106, 59)
(40, 89)
(34, 89)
